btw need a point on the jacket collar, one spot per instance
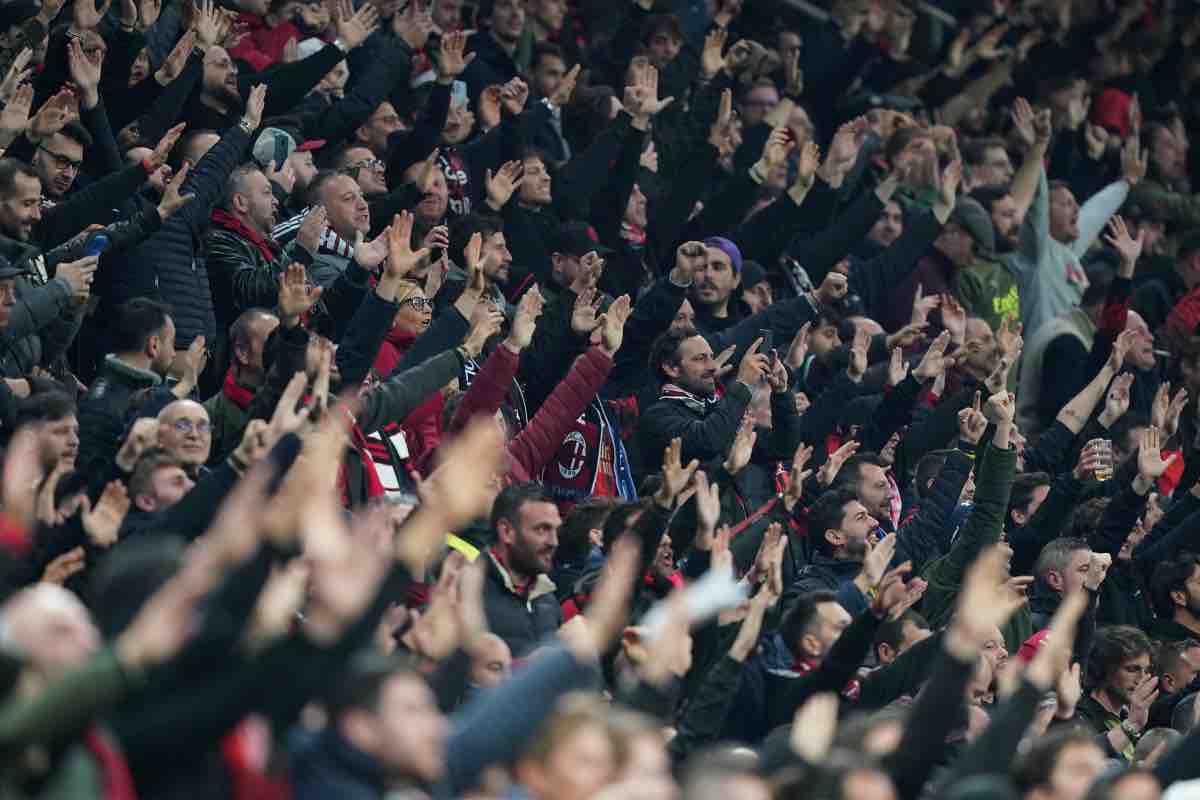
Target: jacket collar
(541, 584)
(127, 373)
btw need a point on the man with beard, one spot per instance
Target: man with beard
(289, 166)
(223, 92)
(518, 595)
(1006, 215)
(58, 158)
(243, 260)
(1121, 687)
(52, 417)
(888, 228)
(1175, 589)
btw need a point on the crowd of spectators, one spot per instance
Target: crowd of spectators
(613, 399)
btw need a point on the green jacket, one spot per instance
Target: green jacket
(988, 290)
(228, 423)
(985, 526)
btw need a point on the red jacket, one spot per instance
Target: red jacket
(423, 427)
(263, 46)
(533, 448)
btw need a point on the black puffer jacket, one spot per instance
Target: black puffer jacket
(523, 622)
(102, 413)
(167, 265)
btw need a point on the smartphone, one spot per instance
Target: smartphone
(768, 340)
(458, 93)
(96, 245)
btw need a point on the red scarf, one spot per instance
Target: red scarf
(239, 395)
(395, 344)
(374, 486)
(229, 222)
(116, 780)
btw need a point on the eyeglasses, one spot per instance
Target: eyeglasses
(419, 303)
(373, 164)
(61, 161)
(187, 426)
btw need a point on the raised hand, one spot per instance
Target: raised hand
(295, 295)
(514, 95)
(565, 90)
(142, 436)
(935, 361)
(18, 73)
(897, 367)
(1002, 408)
(172, 199)
(675, 476)
(742, 447)
(1134, 160)
(971, 422)
(85, 73)
(370, 254)
(176, 60)
(797, 476)
(255, 103)
(87, 15)
(402, 259)
(54, 114)
(414, 25)
(14, 118)
(798, 349)
(585, 316)
(712, 59)
(612, 324)
(1151, 464)
(708, 509)
(1116, 403)
(1129, 248)
(833, 465)
(922, 306)
(777, 147)
(1022, 118)
(452, 58)
(895, 596)
(501, 186)
(754, 366)
(720, 133)
(954, 318)
(525, 321)
(833, 288)
(207, 21)
(354, 28)
(985, 602)
(641, 97)
(875, 562)
(162, 150)
(857, 367)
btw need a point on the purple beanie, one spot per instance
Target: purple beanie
(728, 248)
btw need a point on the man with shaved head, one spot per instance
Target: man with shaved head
(184, 432)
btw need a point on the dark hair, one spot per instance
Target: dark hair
(797, 621)
(827, 514)
(974, 151)
(928, 469)
(126, 577)
(1023, 488)
(891, 632)
(1034, 768)
(667, 24)
(544, 49)
(10, 168)
(77, 133)
(360, 683)
(618, 519)
(1189, 243)
(851, 471)
(665, 349)
(136, 322)
(45, 407)
(512, 497)
(1112, 646)
(1086, 518)
(574, 540)
(1169, 654)
(466, 226)
(1171, 576)
(987, 196)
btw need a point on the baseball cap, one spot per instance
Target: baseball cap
(273, 144)
(578, 239)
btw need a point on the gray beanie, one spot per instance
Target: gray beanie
(978, 222)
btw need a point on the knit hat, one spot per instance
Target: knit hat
(752, 274)
(728, 248)
(273, 144)
(1110, 110)
(971, 215)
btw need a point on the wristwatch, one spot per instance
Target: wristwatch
(1131, 731)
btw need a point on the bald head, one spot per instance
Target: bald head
(184, 432)
(491, 661)
(50, 627)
